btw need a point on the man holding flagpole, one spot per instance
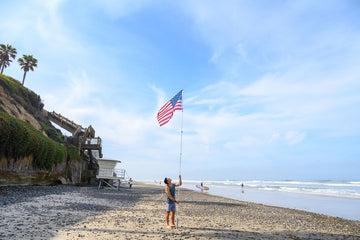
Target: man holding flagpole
(164, 115)
(170, 200)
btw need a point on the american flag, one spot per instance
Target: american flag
(166, 112)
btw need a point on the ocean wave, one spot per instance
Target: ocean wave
(339, 189)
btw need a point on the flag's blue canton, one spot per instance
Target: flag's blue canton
(175, 99)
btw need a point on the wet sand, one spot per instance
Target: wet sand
(70, 212)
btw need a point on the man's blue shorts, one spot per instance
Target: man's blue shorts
(170, 207)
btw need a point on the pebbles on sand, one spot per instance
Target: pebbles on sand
(70, 212)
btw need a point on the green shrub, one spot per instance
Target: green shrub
(31, 102)
(14, 88)
(72, 153)
(53, 133)
(21, 139)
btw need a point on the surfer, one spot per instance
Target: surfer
(202, 187)
(170, 200)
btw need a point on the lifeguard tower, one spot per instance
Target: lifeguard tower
(108, 172)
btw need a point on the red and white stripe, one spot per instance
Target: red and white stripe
(166, 112)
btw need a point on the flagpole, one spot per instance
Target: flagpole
(181, 137)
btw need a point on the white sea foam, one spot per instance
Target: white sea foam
(344, 189)
(336, 198)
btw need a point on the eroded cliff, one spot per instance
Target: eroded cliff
(32, 150)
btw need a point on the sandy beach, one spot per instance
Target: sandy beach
(70, 212)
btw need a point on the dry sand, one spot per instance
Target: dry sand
(69, 212)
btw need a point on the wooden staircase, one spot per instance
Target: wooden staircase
(84, 137)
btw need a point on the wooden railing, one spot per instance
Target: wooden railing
(65, 123)
(85, 136)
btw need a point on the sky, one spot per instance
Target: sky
(271, 88)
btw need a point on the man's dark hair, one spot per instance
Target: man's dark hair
(165, 180)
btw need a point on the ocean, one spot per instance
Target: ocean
(334, 198)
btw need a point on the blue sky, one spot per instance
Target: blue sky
(271, 88)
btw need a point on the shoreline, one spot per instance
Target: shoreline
(323, 204)
(70, 212)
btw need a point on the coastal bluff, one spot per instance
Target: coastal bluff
(32, 150)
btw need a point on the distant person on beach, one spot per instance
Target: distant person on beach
(170, 200)
(131, 182)
(242, 187)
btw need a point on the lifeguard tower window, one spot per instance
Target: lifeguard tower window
(108, 172)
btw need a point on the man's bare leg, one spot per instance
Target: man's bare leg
(173, 219)
(167, 219)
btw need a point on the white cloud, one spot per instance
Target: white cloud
(240, 49)
(161, 96)
(218, 52)
(294, 137)
(40, 24)
(291, 103)
(274, 137)
(117, 9)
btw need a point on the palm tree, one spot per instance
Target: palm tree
(6, 52)
(27, 62)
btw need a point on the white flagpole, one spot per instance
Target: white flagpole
(181, 136)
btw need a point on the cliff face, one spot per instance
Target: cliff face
(21, 171)
(14, 108)
(22, 163)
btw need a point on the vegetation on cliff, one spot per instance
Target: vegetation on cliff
(31, 103)
(20, 139)
(30, 100)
